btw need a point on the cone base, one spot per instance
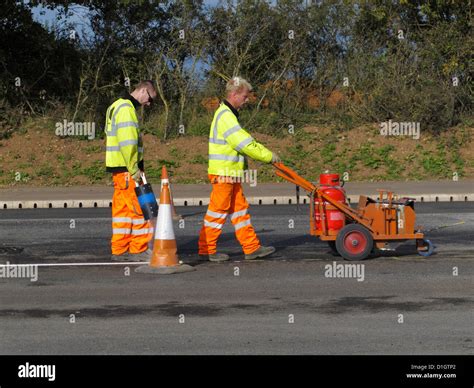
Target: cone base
(165, 270)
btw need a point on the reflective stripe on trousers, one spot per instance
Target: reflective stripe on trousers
(130, 231)
(227, 200)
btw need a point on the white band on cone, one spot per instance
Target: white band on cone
(164, 224)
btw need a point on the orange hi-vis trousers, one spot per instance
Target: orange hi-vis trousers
(130, 231)
(227, 200)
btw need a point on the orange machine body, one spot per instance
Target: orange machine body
(378, 221)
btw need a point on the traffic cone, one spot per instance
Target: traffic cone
(165, 179)
(164, 259)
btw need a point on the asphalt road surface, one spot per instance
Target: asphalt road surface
(399, 303)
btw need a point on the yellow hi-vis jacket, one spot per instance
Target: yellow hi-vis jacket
(124, 146)
(229, 143)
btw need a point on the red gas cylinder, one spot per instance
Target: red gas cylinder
(335, 219)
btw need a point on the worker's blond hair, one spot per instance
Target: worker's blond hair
(237, 84)
(148, 84)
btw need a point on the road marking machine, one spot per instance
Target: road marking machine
(355, 233)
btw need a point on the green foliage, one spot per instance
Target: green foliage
(348, 63)
(376, 158)
(362, 61)
(153, 172)
(46, 172)
(199, 159)
(37, 64)
(328, 153)
(94, 149)
(435, 165)
(175, 153)
(199, 125)
(95, 172)
(297, 152)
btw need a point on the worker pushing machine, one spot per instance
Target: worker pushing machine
(124, 159)
(229, 144)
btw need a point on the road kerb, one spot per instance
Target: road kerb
(204, 201)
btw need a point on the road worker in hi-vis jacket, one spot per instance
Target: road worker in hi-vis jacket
(124, 159)
(229, 145)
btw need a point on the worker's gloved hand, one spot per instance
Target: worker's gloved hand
(137, 177)
(275, 158)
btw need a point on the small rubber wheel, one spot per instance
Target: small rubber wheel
(354, 242)
(429, 248)
(332, 246)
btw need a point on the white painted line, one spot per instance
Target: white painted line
(75, 264)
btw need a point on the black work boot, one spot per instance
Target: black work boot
(122, 257)
(260, 252)
(146, 255)
(215, 257)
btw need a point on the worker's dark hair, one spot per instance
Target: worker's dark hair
(149, 84)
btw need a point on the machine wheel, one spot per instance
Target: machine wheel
(332, 246)
(429, 248)
(354, 242)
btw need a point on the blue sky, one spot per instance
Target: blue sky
(45, 16)
(79, 12)
(48, 17)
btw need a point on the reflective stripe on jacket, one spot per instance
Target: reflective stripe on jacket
(229, 143)
(124, 146)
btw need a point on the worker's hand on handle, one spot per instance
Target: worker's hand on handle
(137, 177)
(275, 158)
